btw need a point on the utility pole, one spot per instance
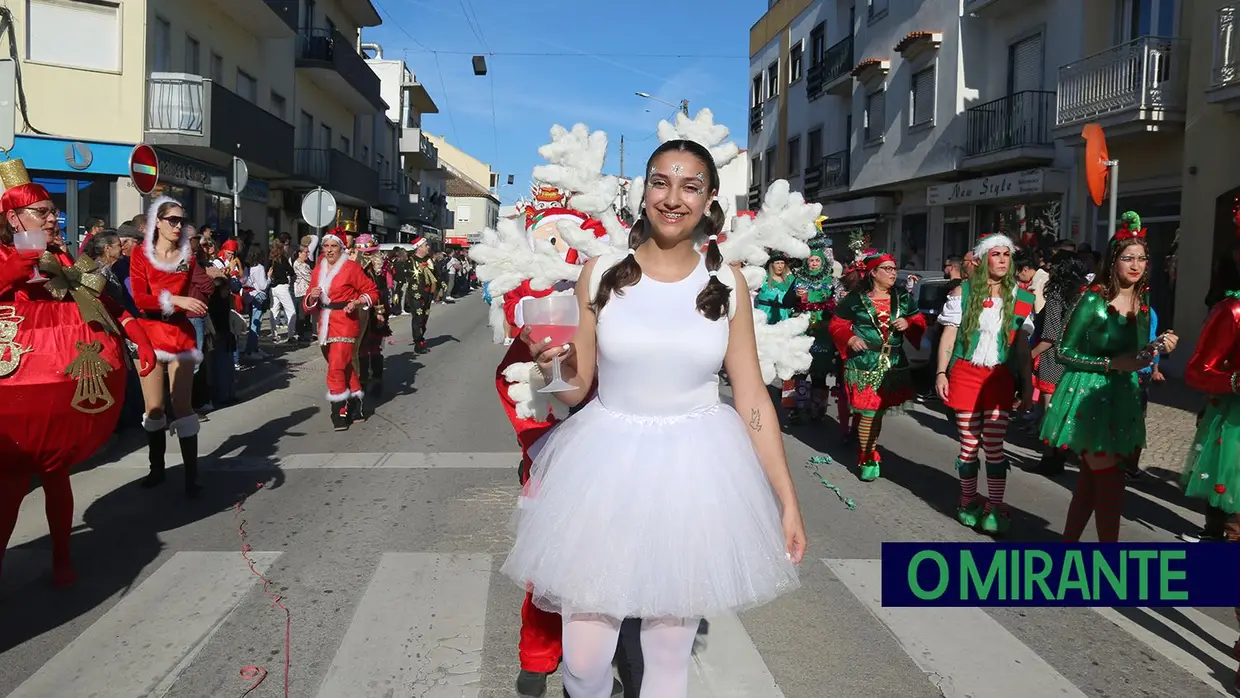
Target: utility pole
(684, 106)
(622, 156)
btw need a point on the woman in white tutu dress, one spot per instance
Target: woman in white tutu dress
(656, 500)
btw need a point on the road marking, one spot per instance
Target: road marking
(150, 636)
(418, 630)
(963, 651)
(729, 665)
(1209, 654)
(344, 461)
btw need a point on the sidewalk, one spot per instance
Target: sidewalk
(1169, 428)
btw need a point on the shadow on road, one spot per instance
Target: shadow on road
(120, 537)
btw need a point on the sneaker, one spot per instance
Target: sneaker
(1202, 536)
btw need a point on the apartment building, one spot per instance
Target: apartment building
(414, 174)
(471, 177)
(912, 122)
(280, 84)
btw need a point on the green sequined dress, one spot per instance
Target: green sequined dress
(1093, 410)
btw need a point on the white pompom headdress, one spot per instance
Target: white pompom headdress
(148, 240)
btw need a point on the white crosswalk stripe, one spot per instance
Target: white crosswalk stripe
(419, 628)
(343, 461)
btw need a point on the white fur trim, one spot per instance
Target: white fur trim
(149, 424)
(524, 381)
(187, 426)
(365, 300)
(193, 356)
(333, 236)
(165, 302)
(148, 240)
(338, 397)
(783, 348)
(323, 278)
(984, 247)
(358, 393)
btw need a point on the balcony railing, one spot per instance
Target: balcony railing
(814, 81)
(312, 164)
(328, 48)
(186, 112)
(1020, 119)
(353, 177)
(755, 196)
(838, 60)
(755, 118)
(1146, 75)
(835, 170)
(1226, 67)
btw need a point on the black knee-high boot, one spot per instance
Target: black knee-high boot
(340, 415)
(157, 447)
(186, 429)
(376, 373)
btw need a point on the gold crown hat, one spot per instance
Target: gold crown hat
(13, 173)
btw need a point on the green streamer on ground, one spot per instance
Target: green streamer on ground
(812, 465)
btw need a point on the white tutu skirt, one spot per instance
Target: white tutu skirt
(649, 518)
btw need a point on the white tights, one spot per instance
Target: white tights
(590, 644)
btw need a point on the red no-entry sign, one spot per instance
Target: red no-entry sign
(144, 168)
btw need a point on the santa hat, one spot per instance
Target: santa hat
(418, 242)
(148, 243)
(988, 242)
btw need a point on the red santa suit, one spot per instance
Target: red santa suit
(153, 284)
(62, 374)
(339, 284)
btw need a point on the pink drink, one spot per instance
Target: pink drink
(559, 334)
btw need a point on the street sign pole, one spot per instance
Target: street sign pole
(318, 209)
(8, 104)
(240, 177)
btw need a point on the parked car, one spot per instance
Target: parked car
(930, 289)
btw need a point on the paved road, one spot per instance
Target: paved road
(384, 544)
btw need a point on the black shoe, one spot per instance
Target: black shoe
(340, 415)
(531, 684)
(617, 689)
(1205, 535)
(421, 348)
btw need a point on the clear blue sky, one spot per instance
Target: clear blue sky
(578, 62)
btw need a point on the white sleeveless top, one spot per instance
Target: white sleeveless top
(657, 355)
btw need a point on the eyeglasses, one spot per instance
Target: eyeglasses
(1129, 259)
(887, 268)
(175, 221)
(42, 211)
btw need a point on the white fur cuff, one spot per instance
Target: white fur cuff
(358, 394)
(338, 397)
(187, 426)
(165, 302)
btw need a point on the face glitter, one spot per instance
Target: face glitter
(701, 177)
(677, 168)
(653, 171)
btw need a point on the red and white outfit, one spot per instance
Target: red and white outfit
(339, 284)
(153, 284)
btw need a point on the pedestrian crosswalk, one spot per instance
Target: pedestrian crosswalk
(419, 627)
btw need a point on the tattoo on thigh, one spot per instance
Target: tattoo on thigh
(755, 419)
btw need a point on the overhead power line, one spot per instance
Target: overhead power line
(582, 54)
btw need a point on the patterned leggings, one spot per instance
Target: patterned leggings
(985, 432)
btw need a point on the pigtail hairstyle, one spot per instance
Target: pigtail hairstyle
(714, 298)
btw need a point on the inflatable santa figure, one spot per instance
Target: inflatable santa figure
(62, 367)
(340, 292)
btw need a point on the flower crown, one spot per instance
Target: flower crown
(1129, 229)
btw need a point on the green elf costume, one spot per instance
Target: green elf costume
(776, 297)
(987, 323)
(1096, 410)
(814, 287)
(876, 378)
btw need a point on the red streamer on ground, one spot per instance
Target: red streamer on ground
(258, 674)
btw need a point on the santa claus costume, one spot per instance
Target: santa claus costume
(62, 363)
(344, 292)
(154, 283)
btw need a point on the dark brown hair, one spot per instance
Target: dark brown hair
(713, 300)
(1108, 275)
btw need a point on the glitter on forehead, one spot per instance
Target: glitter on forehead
(677, 168)
(653, 171)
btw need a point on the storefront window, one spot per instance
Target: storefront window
(94, 198)
(913, 241)
(57, 188)
(1030, 223)
(219, 214)
(956, 240)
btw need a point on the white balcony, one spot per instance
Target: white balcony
(1138, 86)
(418, 150)
(1224, 86)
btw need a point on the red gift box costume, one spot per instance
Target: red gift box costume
(62, 372)
(340, 284)
(154, 283)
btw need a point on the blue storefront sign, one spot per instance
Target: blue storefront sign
(72, 157)
(175, 169)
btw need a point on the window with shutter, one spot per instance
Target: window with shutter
(1025, 65)
(794, 157)
(922, 96)
(875, 115)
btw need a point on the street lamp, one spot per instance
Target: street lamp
(684, 103)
